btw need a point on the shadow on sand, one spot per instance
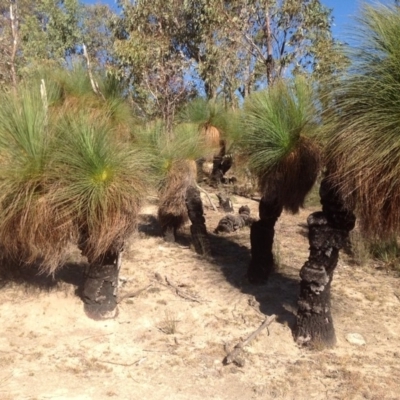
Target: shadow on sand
(278, 296)
(30, 276)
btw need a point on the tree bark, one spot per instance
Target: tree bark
(262, 239)
(221, 165)
(100, 288)
(328, 233)
(196, 215)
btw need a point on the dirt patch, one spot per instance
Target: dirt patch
(170, 344)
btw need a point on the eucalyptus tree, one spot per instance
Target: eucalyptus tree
(44, 31)
(223, 48)
(363, 163)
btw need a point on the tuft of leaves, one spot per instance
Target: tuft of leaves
(101, 182)
(279, 132)
(364, 142)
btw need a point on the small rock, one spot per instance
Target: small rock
(355, 338)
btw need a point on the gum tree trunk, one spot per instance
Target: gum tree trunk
(262, 234)
(328, 233)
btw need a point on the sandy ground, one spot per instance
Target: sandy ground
(169, 341)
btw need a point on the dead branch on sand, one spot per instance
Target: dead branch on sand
(132, 294)
(234, 356)
(137, 362)
(175, 288)
(208, 197)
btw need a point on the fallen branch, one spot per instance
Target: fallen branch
(234, 356)
(175, 288)
(208, 197)
(137, 362)
(96, 336)
(132, 294)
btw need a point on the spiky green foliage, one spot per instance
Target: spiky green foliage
(29, 229)
(175, 156)
(279, 128)
(72, 89)
(364, 147)
(273, 122)
(209, 114)
(204, 113)
(65, 172)
(185, 143)
(101, 182)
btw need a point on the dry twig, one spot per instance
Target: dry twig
(234, 356)
(175, 288)
(208, 197)
(133, 294)
(137, 362)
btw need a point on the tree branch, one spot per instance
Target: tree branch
(234, 356)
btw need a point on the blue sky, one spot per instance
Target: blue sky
(343, 12)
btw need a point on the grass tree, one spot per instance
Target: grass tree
(363, 164)
(101, 182)
(30, 230)
(278, 140)
(69, 174)
(179, 195)
(215, 123)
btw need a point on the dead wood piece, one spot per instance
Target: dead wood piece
(175, 288)
(137, 362)
(133, 294)
(208, 197)
(225, 203)
(234, 356)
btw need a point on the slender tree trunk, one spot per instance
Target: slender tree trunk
(269, 61)
(262, 234)
(196, 215)
(14, 29)
(328, 233)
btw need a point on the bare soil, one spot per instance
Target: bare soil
(169, 341)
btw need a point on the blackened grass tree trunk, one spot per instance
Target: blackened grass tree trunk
(328, 233)
(100, 288)
(198, 228)
(262, 234)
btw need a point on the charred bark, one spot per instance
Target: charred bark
(221, 165)
(100, 288)
(225, 203)
(169, 230)
(328, 233)
(196, 215)
(231, 223)
(262, 239)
